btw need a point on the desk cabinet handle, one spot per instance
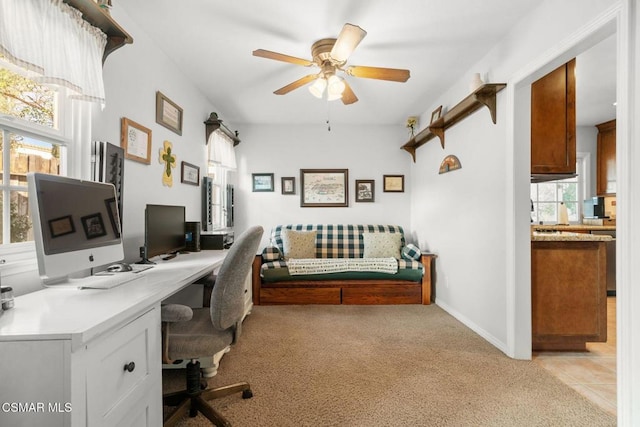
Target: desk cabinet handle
(129, 367)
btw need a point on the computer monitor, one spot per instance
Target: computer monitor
(76, 225)
(164, 230)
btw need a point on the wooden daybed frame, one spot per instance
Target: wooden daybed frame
(343, 291)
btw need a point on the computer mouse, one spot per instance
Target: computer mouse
(119, 267)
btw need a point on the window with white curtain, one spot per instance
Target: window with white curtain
(221, 163)
(50, 61)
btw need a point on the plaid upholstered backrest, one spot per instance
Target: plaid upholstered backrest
(336, 241)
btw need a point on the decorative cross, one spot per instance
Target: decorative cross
(169, 160)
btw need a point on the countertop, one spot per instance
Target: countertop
(574, 227)
(569, 237)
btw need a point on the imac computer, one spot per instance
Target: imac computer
(76, 225)
(164, 230)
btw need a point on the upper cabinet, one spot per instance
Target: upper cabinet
(553, 122)
(100, 18)
(606, 158)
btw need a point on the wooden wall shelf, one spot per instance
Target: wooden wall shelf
(99, 17)
(484, 95)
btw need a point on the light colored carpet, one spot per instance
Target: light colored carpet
(409, 365)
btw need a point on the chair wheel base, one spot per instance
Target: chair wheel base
(247, 394)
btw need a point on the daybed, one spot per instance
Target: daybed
(341, 264)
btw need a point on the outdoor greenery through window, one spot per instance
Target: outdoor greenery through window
(26, 146)
(546, 198)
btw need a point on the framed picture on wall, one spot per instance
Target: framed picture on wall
(168, 113)
(393, 183)
(135, 140)
(324, 187)
(189, 174)
(365, 190)
(288, 185)
(261, 182)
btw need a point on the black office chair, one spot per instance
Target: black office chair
(193, 333)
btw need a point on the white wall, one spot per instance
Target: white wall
(587, 142)
(464, 216)
(367, 152)
(132, 75)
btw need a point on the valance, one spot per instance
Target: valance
(50, 40)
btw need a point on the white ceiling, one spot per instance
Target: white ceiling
(212, 42)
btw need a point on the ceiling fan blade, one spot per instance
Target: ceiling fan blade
(281, 57)
(347, 41)
(348, 97)
(392, 74)
(295, 85)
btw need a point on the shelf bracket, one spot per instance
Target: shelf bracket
(410, 150)
(488, 99)
(439, 132)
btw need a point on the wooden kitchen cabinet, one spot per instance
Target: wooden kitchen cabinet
(606, 159)
(568, 294)
(553, 122)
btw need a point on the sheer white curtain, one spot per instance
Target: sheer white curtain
(221, 151)
(50, 40)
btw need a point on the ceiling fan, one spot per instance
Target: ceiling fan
(331, 55)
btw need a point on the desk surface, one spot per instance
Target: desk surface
(80, 315)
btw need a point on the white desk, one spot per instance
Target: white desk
(63, 351)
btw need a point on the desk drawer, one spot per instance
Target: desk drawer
(111, 388)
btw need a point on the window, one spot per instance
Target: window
(547, 196)
(31, 140)
(221, 166)
(221, 197)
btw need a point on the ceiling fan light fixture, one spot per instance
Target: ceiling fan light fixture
(335, 86)
(333, 96)
(348, 39)
(317, 88)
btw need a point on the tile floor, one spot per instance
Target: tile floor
(591, 373)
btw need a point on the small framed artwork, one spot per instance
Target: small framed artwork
(112, 210)
(288, 185)
(262, 182)
(61, 226)
(365, 190)
(135, 140)
(93, 225)
(435, 116)
(324, 187)
(393, 183)
(189, 174)
(168, 114)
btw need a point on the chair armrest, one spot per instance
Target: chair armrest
(176, 313)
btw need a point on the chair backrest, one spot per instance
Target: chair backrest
(227, 298)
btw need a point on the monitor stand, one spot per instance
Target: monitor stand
(143, 255)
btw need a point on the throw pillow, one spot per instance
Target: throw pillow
(298, 244)
(411, 251)
(271, 253)
(381, 245)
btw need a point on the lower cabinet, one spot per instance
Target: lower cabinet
(112, 380)
(122, 375)
(568, 294)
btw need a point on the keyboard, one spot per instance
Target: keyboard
(105, 280)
